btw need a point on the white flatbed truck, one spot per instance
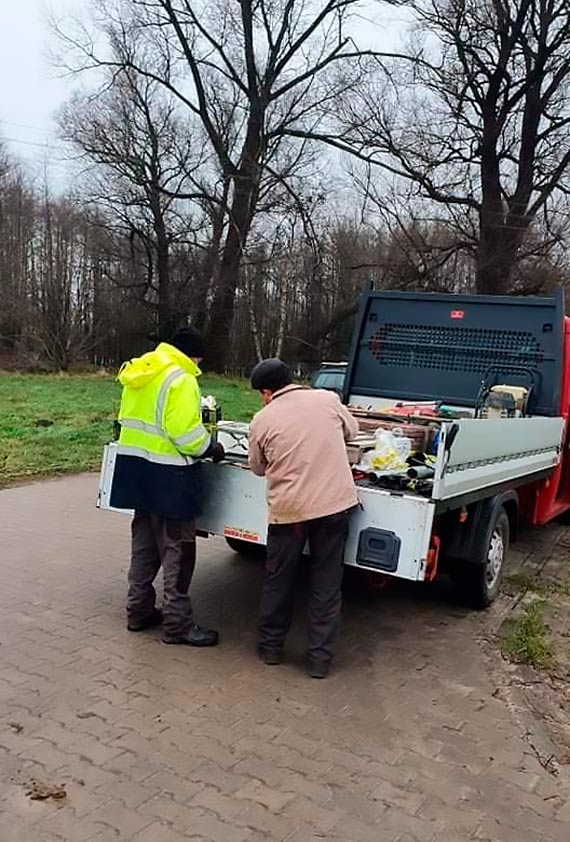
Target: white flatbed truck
(489, 474)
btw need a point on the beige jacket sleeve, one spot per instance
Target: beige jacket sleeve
(349, 422)
(257, 461)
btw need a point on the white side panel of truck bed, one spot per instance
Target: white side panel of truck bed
(234, 503)
(486, 453)
(235, 507)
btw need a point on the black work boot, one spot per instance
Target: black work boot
(270, 657)
(196, 636)
(318, 669)
(150, 622)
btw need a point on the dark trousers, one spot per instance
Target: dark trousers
(171, 544)
(285, 543)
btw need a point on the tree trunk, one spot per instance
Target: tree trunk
(222, 310)
(255, 332)
(168, 318)
(212, 260)
(498, 245)
(496, 258)
(283, 310)
(167, 310)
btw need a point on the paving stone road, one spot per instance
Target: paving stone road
(407, 740)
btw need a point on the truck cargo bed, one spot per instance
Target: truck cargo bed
(474, 456)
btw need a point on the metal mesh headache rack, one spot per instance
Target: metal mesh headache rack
(415, 347)
(446, 348)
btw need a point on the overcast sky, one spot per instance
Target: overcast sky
(31, 88)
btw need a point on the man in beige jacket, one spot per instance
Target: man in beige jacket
(298, 441)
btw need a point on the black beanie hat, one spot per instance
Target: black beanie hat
(272, 374)
(190, 342)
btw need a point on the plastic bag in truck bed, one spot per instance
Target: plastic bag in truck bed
(390, 453)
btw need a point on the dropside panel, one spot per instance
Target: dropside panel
(486, 453)
(236, 508)
(234, 503)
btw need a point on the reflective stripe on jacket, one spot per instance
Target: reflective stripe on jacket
(162, 435)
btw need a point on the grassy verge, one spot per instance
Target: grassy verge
(525, 637)
(524, 583)
(55, 424)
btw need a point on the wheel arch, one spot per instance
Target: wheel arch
(511, 506)
(463, 539)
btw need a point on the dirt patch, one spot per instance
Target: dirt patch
(40, 791)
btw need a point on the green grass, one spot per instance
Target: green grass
(82, 409)
(525, 637)
(524, 582)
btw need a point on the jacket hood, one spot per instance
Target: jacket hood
(139, 371)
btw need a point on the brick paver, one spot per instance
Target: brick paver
(407, 740)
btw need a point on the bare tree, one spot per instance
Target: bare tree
(17, 225)
(479, 125)
(251, 74)
(58, 328)
(144, 156)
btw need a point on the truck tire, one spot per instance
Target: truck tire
(246, 548)
(478, 581)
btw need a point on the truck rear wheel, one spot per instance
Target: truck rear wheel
(246, 548)
(478, 581)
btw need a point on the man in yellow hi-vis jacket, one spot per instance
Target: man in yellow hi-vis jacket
(158, 474)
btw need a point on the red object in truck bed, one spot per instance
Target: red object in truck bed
(406, 410)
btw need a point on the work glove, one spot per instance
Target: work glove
(217, 452)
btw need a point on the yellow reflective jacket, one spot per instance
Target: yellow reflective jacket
(162, 441)
(161, 414)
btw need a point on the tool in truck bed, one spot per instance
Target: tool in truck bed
(480, 388)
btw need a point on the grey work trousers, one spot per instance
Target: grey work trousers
(285, 543)
(171, 544)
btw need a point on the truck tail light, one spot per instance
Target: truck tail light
(433, 558)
